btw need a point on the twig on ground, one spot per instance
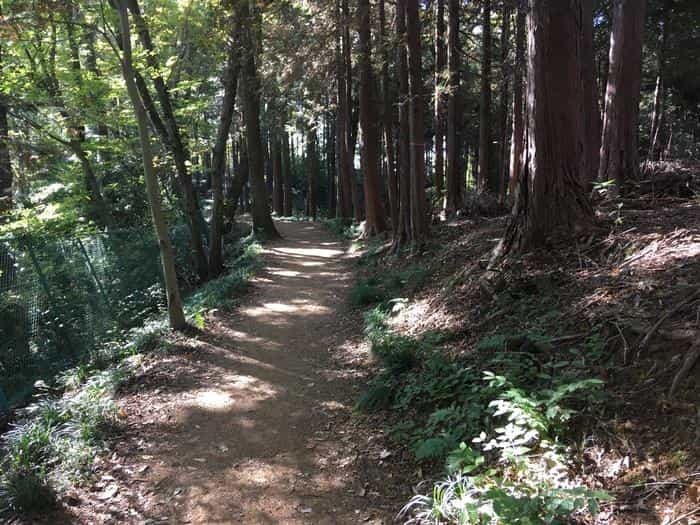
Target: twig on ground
(683, 516)
(645, 341)
(688, 363)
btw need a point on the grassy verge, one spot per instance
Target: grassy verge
(498, 422)
(55, 441)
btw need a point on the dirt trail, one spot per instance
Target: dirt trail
(254, 425)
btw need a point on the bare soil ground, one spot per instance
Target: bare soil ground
(251, 421)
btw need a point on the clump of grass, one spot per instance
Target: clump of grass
(516, 416)
(342, 228)
(222, 292)
(57, 441)
(389, 286)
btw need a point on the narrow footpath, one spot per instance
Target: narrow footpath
(251, 421)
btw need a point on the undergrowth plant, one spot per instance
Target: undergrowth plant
(56, 440)
(497, 418)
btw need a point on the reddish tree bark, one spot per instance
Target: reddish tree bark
(388, 123)
(419, 216)
(403, 232)
(619, 153)
(518, 137)
(551, 200)
(374, 211)
(487, 177)
(454, 112)
(440, 103)
(277, 178)
(312, 174)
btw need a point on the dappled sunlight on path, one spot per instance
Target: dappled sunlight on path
(258, 434)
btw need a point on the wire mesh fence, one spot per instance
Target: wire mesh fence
(61, 300)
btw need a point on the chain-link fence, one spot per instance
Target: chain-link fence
(62, 299)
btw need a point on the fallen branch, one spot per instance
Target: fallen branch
(645, 342)
(688, 364)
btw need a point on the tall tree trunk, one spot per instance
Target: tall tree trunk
(518, 137)
(343, 120)
(488, 179)
(370, 130)
(238, 184)
(250, 84)
(176, 314)
(388, 117)
(439, 108)
(287, 176)
(657, 117)
(312, 173)
(419, 216)
(403, 233)
(551, 201)
(357, 201)
(230, 82)
(454, 112)
(277, 178)
(619, 154)
(330, 166)
(590, 94)
(173, 141)
(503, 101)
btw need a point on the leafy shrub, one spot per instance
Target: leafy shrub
(22, 489)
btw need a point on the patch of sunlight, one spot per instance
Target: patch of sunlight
(285, 273)
(213, 400)
(312, 263)
(280, 307)
(271, 309)
(312, 252)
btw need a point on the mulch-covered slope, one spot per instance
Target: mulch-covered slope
(636, 283)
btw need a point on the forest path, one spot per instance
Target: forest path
(256, 426)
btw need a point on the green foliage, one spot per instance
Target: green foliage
(343, 228)
(28, 490)
(223, 292)
(511, 400)
(518, 474)
(59, 439)
(389, 286)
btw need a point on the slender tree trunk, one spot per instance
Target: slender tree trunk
(250, 83)
(518, 137)
(277, 178)
(488, 180)
(619, 155)
(342, 115)
(388, 115)
(503, 100)
(173, 141)
(230, 82)
(551, 202)
(454, 112)
(439, 109)
(403, 233)
(287, 176)
(657, 117)
(419, 215)
(176, 314)
(330, 165)
(370, 130)
(590, 93)
(238, 183)
(312, 173)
